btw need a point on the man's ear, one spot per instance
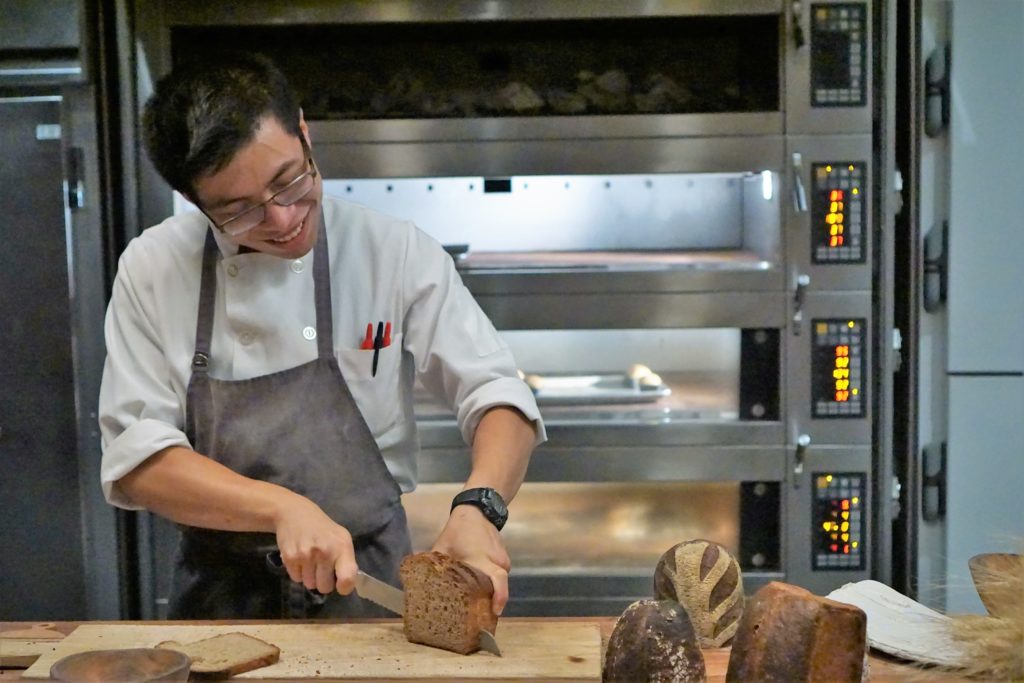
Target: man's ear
(304, 128)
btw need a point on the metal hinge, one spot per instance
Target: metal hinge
(936, 91)
(933, 482)
(935, 278)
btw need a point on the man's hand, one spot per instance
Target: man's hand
(469, 537)
(317, 552)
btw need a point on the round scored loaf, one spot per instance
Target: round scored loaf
(705, 579)
(654, 641)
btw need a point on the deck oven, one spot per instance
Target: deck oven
(668, 211)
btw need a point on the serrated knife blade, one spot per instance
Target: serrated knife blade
(384, 594)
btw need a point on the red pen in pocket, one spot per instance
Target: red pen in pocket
(367, 343)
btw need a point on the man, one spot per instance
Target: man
(260, 360)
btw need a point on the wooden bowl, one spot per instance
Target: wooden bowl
(138, 665)
(999, 579)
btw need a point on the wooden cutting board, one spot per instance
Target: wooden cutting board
(22, 646)
(548, 650)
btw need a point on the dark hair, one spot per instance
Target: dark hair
(200, 115)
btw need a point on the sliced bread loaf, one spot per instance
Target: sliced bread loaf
(225, 655)
(447, 602)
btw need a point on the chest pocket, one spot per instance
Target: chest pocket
(378, 397)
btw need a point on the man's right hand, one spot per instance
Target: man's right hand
(190, 488)
(317, 552)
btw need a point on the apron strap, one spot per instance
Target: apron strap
(207, 298)
(322, 289)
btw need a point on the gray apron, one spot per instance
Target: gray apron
(299, 428)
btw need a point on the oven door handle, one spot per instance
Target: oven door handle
(799, 194)
(799, 39)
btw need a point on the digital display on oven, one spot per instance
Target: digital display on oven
(838, 212)
(838, 55)
(838, 520)
(837, 368)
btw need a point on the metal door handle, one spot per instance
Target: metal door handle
(799, 194)
(802, 282)
(75, 182)
(802, 442)
(799, 40)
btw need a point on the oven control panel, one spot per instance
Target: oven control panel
(838, 55)
(838, 212)
(837, 367)
(838, 519)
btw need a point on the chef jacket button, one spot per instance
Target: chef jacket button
(309, 333)
(297, 265)
(246, 338)
(232, 269)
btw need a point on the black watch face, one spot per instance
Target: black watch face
(496, 502)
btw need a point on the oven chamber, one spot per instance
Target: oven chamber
(682, 185)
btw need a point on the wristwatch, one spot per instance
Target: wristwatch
(488, 500)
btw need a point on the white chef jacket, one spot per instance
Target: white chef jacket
(382, 269)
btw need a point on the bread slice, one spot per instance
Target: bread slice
(225, 655)
(447, 602)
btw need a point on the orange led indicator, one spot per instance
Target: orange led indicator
(845, 504)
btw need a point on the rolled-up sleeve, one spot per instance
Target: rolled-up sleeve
(459, 355)
(140, 412)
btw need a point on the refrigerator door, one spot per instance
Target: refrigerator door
(972, 360)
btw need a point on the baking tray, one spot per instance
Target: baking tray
(595, 389)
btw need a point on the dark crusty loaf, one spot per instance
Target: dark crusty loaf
(705, 579)
(654, 641)
(447, 602)
(225, 655)
(789, 634)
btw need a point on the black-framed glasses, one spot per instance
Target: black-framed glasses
(246, 220)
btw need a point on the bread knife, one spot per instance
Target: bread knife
(383, 594)
(390, 598)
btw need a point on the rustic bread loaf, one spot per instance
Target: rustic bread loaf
(789, 634)
(447, 602)
(705, 579)
(654, 641)
(225, 655)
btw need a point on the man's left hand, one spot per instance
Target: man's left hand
(469, 537)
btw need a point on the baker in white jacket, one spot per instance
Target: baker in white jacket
(261, 355)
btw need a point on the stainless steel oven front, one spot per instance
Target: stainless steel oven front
(668, 210)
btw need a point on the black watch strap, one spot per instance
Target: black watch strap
(488, 500)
